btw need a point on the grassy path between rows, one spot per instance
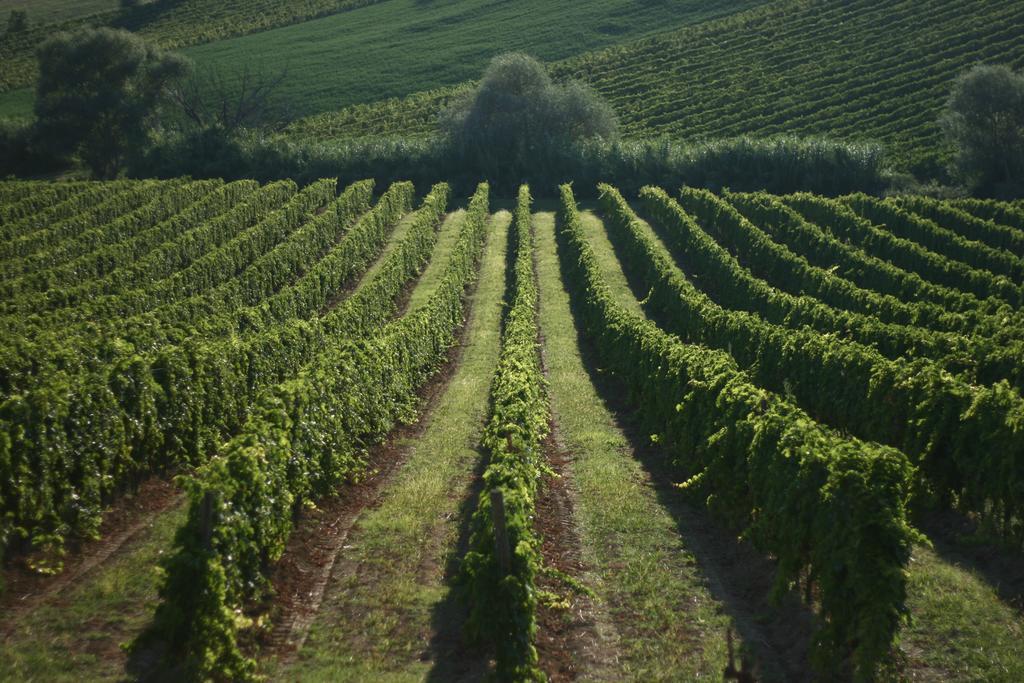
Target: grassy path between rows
(389, 612)
(668, 624)
(77, 635)
(434, 270)
(396, 237)
(960, 630)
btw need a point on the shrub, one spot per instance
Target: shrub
(984, 120)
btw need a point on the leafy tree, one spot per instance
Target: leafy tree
(984, 120)
(17, 21)
(517, 114)
(99, 93)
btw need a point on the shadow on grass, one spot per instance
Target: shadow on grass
(777, 634)
(454, 657)
(959, 541)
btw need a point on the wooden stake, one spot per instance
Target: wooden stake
(206, 515)
(501, 549)
(745, 673)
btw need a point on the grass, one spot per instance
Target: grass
(960, 629)
(397, 235)
(76, 636)
(389, 585)
(17, 104)
(670, 626)
(431, 275)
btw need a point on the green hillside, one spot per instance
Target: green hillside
(855, 70)
(389, 49)
(398, 47)
(170, 24)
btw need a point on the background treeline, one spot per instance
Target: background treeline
(779, 165)
(519, 126)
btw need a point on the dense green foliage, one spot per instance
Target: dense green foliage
(1007, 215)
(968, 226)
(777, 165)
(984, 121)
(297, 445)
(151, 254)
(825, 506)
(72, 435)
(992, 272)
(516, 113)
(98, 93)
(834, 237)
(976, 287)
(965, 438)
(503, 602)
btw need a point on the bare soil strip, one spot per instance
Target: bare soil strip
(572, 636)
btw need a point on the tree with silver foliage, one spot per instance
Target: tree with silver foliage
(517, 116)
(984, 120)
(98, 95)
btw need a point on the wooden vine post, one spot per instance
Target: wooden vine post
(501, 549)
(206, 508)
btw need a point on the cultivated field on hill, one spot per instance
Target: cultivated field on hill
(691, 71)
(388, 48)
(169, 24)
(859, 70)
(367, 433)
(52, 11)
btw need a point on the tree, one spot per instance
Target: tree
(210, 100)
(17, 21)
(984, 120)
(517, 113)
(99, 94)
